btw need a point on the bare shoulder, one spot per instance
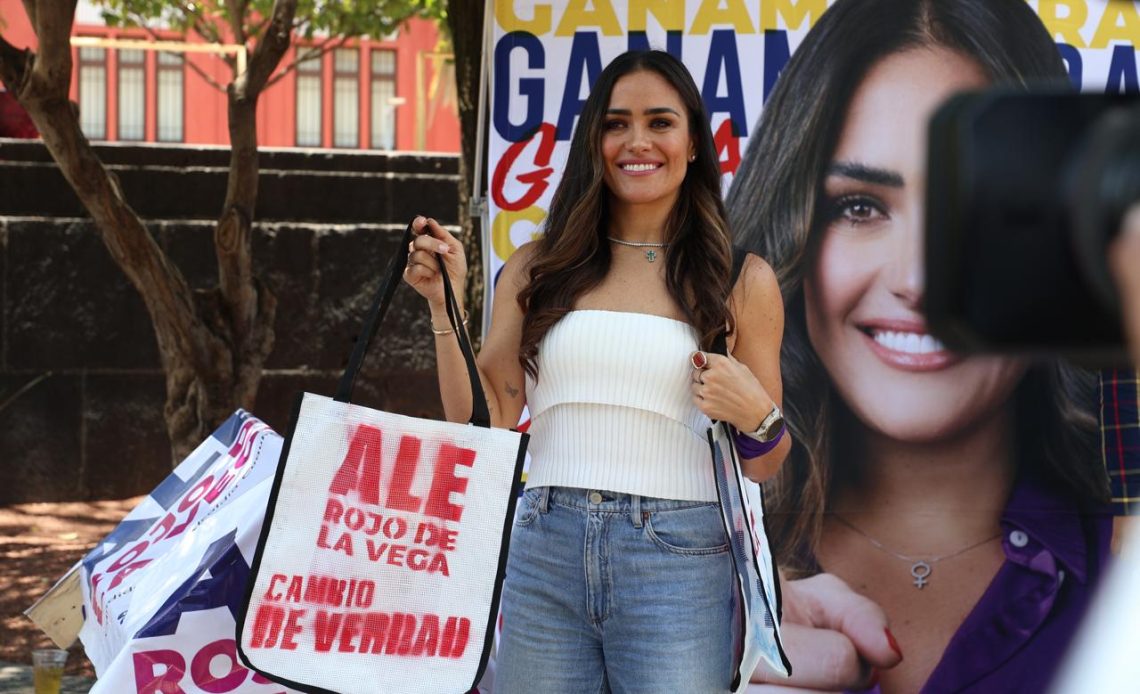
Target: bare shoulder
(757, 291)
(516, 271)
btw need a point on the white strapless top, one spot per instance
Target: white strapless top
(612, 408)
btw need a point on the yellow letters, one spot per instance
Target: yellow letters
(1111, 28)
(1068, 27)
(669, 13)
(505, 15)
(577, 15)
(710, 12)
(501, 228)
(792, 11)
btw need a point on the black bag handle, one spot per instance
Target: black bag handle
(720, 343)
(480, 415)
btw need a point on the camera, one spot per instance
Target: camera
(1025, 191)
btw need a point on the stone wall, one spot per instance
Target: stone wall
(81, 388)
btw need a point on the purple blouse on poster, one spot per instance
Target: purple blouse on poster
(1015, 638)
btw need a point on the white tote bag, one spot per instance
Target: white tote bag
(384, 544)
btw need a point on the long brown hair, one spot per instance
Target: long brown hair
(774, 206)
(572, 256)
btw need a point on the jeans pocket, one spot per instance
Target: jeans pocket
(528, 506)
(690, 531)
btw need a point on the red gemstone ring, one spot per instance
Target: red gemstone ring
(699, 359)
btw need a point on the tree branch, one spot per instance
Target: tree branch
(51, 73)
(232, 235)
(164, 291)
(237, 9)
(327, 45)
(15, 65)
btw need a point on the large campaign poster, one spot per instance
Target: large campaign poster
(1010, 635)
(544, 55)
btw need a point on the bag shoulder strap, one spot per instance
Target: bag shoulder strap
(720, 344)
(480, 415)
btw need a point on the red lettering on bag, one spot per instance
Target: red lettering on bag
(353, 518)
(344, 544)
(267, 626)
(294, 592)
(269, 594)
(396, 555)
(400, 634)
(403, 474)
(351, 629)
(162, 671)
(122, 575)
(375, 551)
(428, 639)
(324, 630)
(150, 680)
(429, 534)
(455, 634)
(333, 511)
(361, 467)
(206, 680)
(195, 495)
(372, 635)
(292, 628)
(444, 482)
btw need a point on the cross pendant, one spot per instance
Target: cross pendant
(651, 256)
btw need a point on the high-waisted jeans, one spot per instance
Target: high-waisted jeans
(610, 592)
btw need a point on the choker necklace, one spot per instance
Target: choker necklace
(919, 568)
(650, 255)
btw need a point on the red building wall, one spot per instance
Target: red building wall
(204, 106)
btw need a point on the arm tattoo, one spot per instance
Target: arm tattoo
(511, 390)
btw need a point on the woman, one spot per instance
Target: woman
(619, 554)
(960, 494)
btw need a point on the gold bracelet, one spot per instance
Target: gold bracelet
(448, 331)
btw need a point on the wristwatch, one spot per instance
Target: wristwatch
(770, 427)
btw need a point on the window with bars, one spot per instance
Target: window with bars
(346, 97)
(132, 94)
(170, 97)
(93, 92)
(309, 102)
(383, 99)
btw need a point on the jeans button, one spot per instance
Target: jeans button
(595, 498)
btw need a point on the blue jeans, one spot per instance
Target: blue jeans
(610, 592)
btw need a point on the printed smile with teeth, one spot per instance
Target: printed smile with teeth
(910, 343)
(639, 167)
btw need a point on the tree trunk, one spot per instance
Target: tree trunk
(465, 22)
(212, 343)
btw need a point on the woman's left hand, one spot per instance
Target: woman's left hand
(726, 390)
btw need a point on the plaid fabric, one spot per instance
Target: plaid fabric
(1120, 437)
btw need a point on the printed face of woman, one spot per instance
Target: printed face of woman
(645, 142)
(864, 291)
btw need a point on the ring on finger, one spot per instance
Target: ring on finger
(699, 360)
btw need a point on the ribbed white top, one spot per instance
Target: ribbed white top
(612, 409)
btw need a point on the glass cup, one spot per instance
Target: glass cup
(47, 669)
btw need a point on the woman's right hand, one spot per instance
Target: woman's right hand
(422, 271)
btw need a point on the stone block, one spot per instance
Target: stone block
(68, 305)
(40, 438)
(284, 258)
(352, 264)
(126, 448)
(415, 394)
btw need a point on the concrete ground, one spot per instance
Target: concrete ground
(16, 678)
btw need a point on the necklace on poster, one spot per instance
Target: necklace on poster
(920, 567)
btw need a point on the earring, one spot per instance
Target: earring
(692, 158)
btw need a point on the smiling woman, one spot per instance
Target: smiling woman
(964, 495)
(619, 554)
